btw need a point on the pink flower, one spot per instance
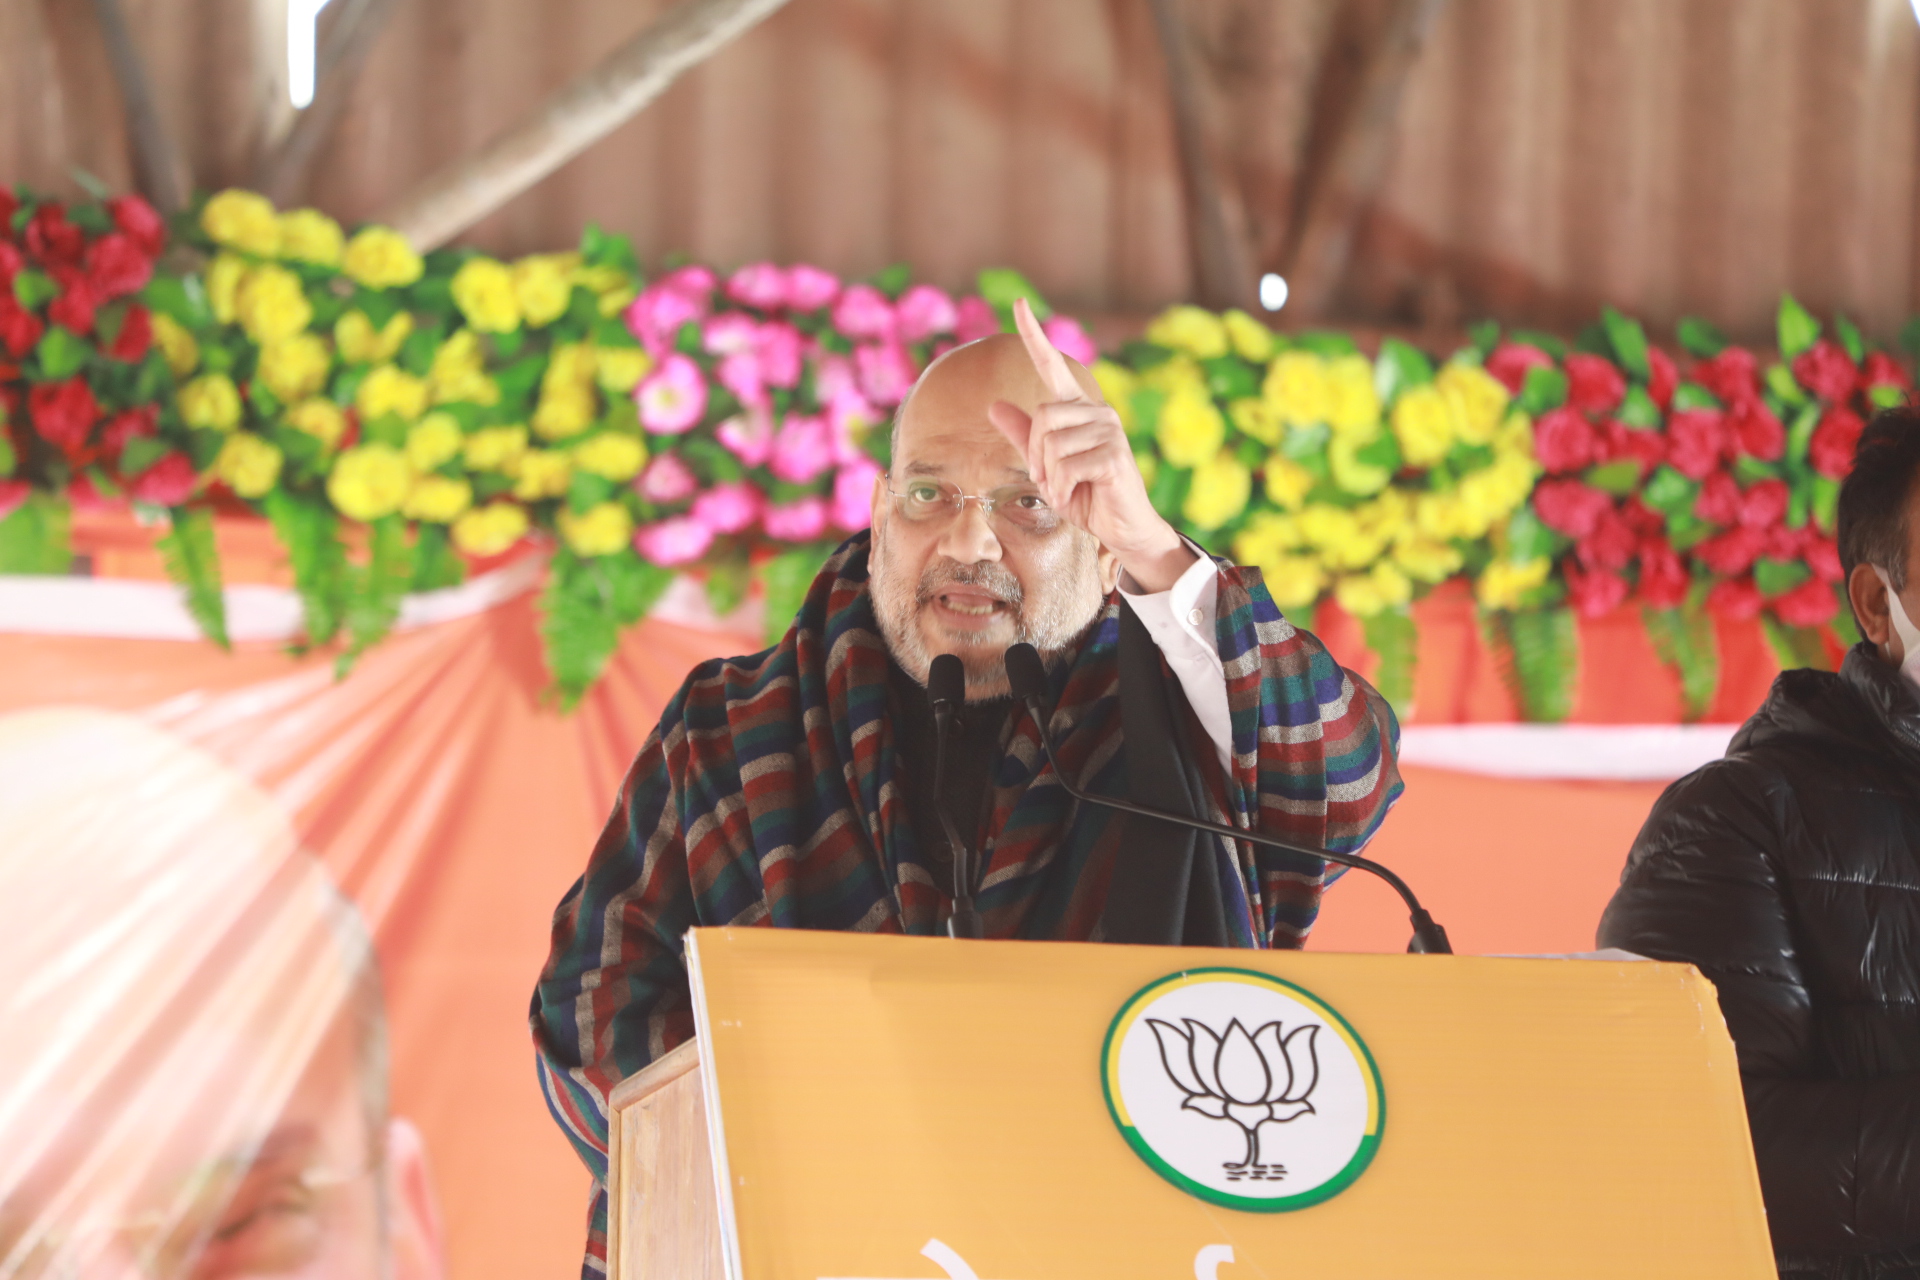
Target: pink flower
(730, 333)
(850, 417)
(809, 288)
(864, 312)
(675, 540)
(673, 398)
(1510, 361)
(779, 347)
(741, 374)
(758, 284)
(1810, 604)
(853, 494)
(695, 282)
(925, 311)
(886, 372)
(832, 377)
(1593, 384)
(802, 450)
(801, 521)
(167, 483)
(748, 436)
(84, 495)
(656, 315)
(666, 480)
(977, 320)
(13, 495)
(1072, 341)
(728, 508)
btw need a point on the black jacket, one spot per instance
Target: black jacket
(1789, 872)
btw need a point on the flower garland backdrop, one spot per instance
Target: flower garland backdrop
(399, 419)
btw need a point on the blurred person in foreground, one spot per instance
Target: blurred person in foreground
(193, 1073)
(794, 787)
(1789, 872)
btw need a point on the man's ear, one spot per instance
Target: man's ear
(879, 496)
(413, 1215)
(1109, 567)
(1868, 595)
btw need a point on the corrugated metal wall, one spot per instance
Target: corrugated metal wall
(1669, 156)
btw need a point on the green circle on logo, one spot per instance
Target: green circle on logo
(1243, 1089)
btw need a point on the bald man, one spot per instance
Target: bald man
(794, 788)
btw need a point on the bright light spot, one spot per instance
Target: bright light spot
(1916, 10)
(303, 27)
(1273, 288)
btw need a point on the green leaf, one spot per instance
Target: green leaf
(785, 580)
(34, 288)
(1667, 490)
(1800, 433)
(608, 249)
(1749, 470)
(60, 354)
(1543, 390)
(1400, 365)
(1850, 339)
(893, 281)
(1528, 537)
(192, 561)
(416, 353)
(1001, 286)
(309, 530)
(374, 591)
(1485, 336)
(9, 459)
(1780, 380)
(1231, 378)
(1777, 577)
(1795, 647)
(1691, 395)
(1845, 627)
(583, 607)
(35, 537)
(1302, 443)
(1686, 531)
(140, 453)
(1326, 342)
(436, 564)
(1910, 338)
(1394, 638)
(1638, 410)
(1826, 502)
(381, 305)
(1798, 330)
(1700, 338)
(518, 379)
(1685, 640)
(1629, 342)
(1886, 395)
(586, 490)
(1619, 478)
(1383, 452)
(1537, 652)
(1551, 343)
(726, 585)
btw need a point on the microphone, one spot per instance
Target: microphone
(1028, 677)
(947, 691)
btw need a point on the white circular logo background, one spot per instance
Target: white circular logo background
(1243, 1089)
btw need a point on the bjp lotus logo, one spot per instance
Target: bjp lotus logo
(1243, 1089)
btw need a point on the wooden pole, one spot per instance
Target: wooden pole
(157, 167)
(450, 201)
(281, 174)
(1357, 163)
(1222, 263)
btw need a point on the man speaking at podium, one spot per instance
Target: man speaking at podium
(796, 787)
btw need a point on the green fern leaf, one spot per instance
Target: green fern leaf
(36, 537)
(1684, 639)
(309, 531)
(1395, 640)
(785, 579)
(1796, 646)
(193, 562)
(1537, 652)
(375, 590)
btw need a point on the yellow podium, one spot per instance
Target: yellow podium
(885, 1108)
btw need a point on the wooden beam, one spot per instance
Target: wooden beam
(1221, 260)
(281, 174)
(157, 167)
(1357, 162)
(580, 114)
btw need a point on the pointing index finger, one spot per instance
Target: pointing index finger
(1047, 360)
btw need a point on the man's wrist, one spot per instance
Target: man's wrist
(1157, 566)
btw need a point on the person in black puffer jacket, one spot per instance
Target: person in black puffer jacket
(1789, 872)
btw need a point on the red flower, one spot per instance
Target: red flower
(20, 329)
(13, 493)
(12, 262)
(1881, 370)
(1810, 604)
(1831, 450)
(1734, 551)
(64, 413)
(1570, 507)
(7, 207)
(1733, 375)
(138, 219)
(52, 239)
(1719, 500)
(1736, 599)
(1564, 441)
(1695, 439)
(125, 426)
(1642, 519)
(1823, 557)
(84, 495)
(1594, 595)
(1510, 361)
(1752, 429)
(1764, 504)
(1663, 377)
(134, 338)
(1783, 543)
(1618, 440)
(1664, 580)
(1611, 544)
(74, 308)
(116, 267)
(1593, 384)
(1826, 370)
(167, 483)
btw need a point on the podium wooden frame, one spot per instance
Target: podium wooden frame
(660, 1163)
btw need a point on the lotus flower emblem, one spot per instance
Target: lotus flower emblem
(1251, 1079)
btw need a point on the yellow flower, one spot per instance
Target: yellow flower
(176, 344)
(391, 389)
(1494, 492)
(369, 481)
(543, 284)
(1477, 398)
(1423, 422)
(308, 235)
(320, 418)
(1191, 429)
(459, 372)
(1388, 517)
(242, 220)
(495, 449)
(435, 439)
(380, 258)
(1442, 516)
(1341, 537)
(271, 304)
(610, 454)
(600, 530)
(489, 530)
(1287, 482)
(1117, 385)
(1503, 583)
(440, 499)
(1381, 588)
(613, 287)
(211, 400)
(224, 274)
(1256, 419)
(1515, 435)
(1297, 388)
(1294, 582)
(542, 473)
(1271, 541)
(1425, 560)
(1197, 332)
(361, 343)
(567, 405)
(619, 369)
(1352, 403)
(1219, 492)
(248, 464)
(1349, 472)
(483, 290)
(294, 368)
(1250, 339)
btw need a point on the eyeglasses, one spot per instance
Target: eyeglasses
(1017, 506)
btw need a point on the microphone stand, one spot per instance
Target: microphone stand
(946, 685)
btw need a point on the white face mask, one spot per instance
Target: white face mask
(1904, 628)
